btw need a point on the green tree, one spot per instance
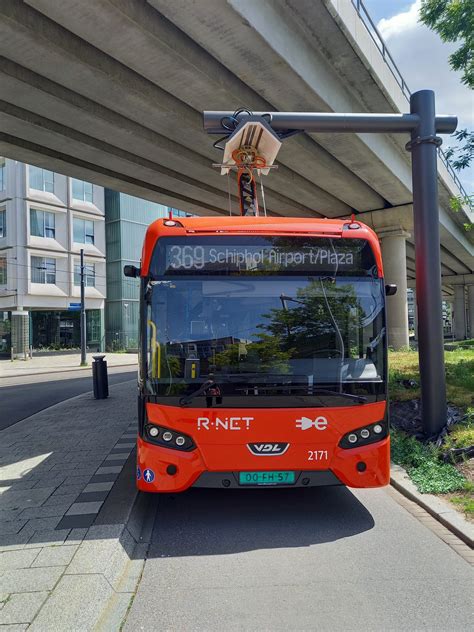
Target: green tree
(307, 323)
(265, 354)
(463, 155)
(453, 20)
(301, 328)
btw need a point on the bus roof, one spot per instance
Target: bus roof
(238, 225)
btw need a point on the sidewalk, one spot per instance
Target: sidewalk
(72, 542)
(67, 362)
(57, 467)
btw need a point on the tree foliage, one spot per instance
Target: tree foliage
(310, 324)
(463, 155)
(305, 327)
(453, 20)
(266, 353)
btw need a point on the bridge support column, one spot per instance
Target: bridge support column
(470, 307)
(459, 312)
(447, 317)
(395, 271)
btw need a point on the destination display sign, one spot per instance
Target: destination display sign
(256, 255)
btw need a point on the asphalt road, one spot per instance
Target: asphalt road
(19, 399)
(306, 559)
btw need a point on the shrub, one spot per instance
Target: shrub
(433, 477)
(422, 462)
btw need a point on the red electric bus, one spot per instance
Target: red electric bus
(263, 354)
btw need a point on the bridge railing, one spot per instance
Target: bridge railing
(387, 57)
(380, 43)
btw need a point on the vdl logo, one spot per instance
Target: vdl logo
(268, 449)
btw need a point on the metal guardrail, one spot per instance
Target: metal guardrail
(387, 57)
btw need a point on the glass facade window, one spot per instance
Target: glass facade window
(126, 221)
(42, 224)
(89, 274)
(3, 270)
(82, 190)
(177, 213)
(3, 224)
(83, 231)
(41, 179)
(93, 328)
(43, 270)
(3, 184)
(62, 330)
(5, 332)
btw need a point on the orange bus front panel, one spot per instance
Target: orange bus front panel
(308, 441)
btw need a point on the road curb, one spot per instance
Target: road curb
(125, 576)
(435, 506)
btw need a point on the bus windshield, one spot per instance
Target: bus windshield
(281, 339)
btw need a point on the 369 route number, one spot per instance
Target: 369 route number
(317, 455)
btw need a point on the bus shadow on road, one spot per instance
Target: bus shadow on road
(216, 522)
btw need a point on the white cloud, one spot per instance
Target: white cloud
(422, 58)
(400, 22)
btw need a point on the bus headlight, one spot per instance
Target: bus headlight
(365, 435)
(166, 437)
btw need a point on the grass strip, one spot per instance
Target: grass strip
(424, 462)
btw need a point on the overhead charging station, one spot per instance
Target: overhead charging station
(251, 143)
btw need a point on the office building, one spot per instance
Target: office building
(45, 220)
(126, 221)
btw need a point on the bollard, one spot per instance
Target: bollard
(99, 377)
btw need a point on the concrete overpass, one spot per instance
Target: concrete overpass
(111, 91)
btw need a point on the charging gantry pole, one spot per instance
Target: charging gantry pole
(423, 125)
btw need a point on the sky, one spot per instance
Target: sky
(422, 59)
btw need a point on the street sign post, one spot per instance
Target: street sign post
(83, 314)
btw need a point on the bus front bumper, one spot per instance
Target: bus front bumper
(165, 470)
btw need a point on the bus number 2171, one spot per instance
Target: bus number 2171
(317, 455)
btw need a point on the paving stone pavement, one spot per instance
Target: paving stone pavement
(56, 469)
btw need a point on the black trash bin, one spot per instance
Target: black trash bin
(99, 377)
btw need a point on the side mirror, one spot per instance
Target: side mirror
(390, 289)
(131, 271)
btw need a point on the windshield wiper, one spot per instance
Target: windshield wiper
(360, 399)
(377, 339)
(209, 389)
